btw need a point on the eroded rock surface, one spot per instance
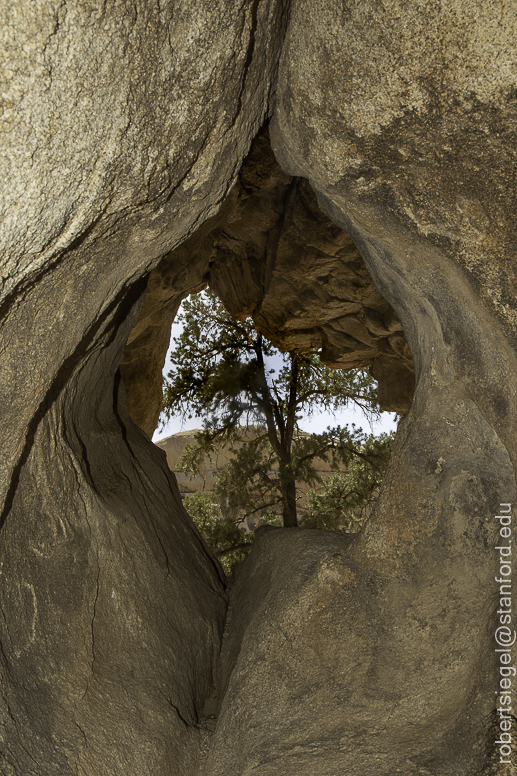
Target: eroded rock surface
(303, 640)
(125, 130)
(408, 147)
(355, 649)
(270, 253)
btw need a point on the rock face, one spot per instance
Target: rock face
(124, 130)
(289, 645)
(270, 253)
(408, 146)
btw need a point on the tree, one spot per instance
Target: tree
(223, 371)
(344, 500)
(227, 541)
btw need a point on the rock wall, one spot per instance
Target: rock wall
(409, 147)
(124, 129)
(272, 254)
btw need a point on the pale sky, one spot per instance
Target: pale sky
(317, 423)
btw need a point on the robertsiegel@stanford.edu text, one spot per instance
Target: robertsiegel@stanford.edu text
(505, 635)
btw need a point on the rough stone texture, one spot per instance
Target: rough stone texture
(402, 118)
(270, 253)
(147, 345)
(306, 287)
(124, 128)
(112, 608)
(135, 156)
(372, 656)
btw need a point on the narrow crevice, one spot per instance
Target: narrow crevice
(19, 292)
(125, 299)
(247, 61)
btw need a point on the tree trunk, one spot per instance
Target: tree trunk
(289, 501)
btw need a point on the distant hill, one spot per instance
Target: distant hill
(205, 481)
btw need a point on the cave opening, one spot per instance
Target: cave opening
(125, 128)
(271, 254)
(140, 583)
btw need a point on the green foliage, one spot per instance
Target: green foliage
(251, 481)
(227, 541)
(222, 371)
(344, 500)
(214, 371)
(340, 503)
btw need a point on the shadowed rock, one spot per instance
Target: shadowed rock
(125, 130)
(270, 253)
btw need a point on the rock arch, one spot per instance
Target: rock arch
(126, 129)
